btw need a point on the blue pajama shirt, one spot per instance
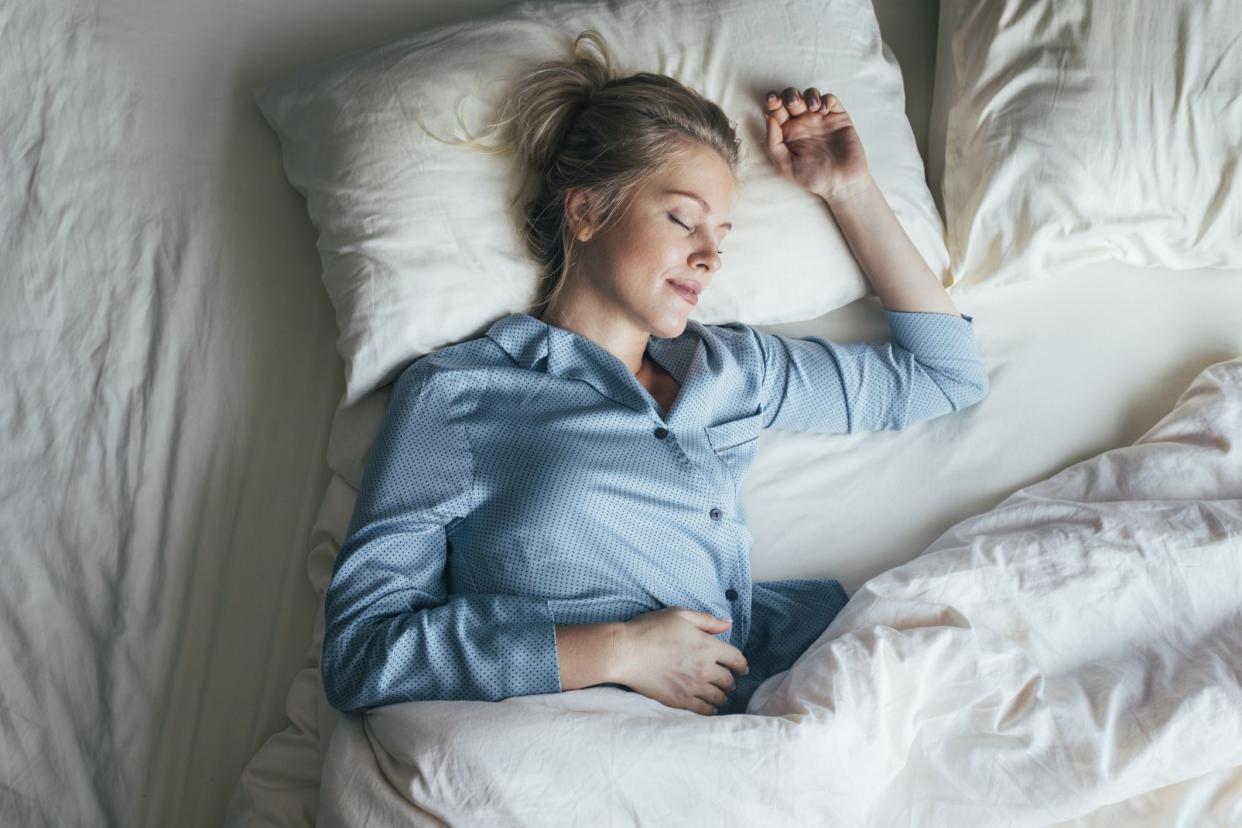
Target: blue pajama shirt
(525, 479)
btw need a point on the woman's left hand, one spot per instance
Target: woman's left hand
(812, 141)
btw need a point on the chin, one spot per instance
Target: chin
(666, 319)
(671, 326)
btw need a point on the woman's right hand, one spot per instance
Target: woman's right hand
(812, 142)
(672, 655)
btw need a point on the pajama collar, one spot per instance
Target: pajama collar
(539, 346)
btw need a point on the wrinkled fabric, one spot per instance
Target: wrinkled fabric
(1075, 646)
(526, 479)
(1082, 132)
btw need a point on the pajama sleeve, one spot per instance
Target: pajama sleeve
(392, 631)
(931, 367)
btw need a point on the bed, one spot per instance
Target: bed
(181, 468)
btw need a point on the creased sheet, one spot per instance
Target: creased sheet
(1075, 646)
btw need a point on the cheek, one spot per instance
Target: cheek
(647, 257)
(637, 259)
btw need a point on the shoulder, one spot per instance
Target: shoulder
(736, 341)
(734, 358)
(733, 337)
(449, 376)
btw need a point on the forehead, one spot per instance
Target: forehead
(702, 172)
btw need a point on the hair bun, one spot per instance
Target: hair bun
(577, 127)
(553, 95)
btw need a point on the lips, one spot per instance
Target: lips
(686, 290)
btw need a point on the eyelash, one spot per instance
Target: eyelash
(673, 218)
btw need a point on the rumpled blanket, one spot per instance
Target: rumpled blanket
(1077, 645)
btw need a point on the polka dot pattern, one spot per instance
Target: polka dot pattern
(525, 479)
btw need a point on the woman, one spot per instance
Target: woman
(555, 504)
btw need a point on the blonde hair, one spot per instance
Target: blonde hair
(576, 126)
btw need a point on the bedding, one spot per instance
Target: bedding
(815, 501)
(170, 397)
(392, 204)
(1089, 130)
(1065, 650)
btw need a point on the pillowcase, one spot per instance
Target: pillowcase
(1082, 131)
(419, 244)
(944, 95)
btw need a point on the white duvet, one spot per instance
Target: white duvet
(1077, 645)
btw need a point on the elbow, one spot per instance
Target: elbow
(338, 700)
(972, 388)
(961, 387)
(337, 688)
(342, 683)
(982, 383)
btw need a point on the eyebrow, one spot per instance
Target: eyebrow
(700, 200)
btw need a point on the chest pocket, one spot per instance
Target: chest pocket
(734, 442)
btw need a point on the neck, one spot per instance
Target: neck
(605, 328)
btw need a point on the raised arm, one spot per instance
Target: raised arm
(392, 632)
(812, 141)
(932, 367)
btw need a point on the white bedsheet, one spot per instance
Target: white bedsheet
(1071, 648)
(1110, 352)
(170, 384)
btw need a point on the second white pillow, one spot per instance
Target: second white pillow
(1087, 130)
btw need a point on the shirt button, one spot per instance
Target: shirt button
(715, 513)
(730, 594)
(661, 433)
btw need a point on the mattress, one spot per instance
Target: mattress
(177, 471)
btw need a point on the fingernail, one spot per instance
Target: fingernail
(771, 96)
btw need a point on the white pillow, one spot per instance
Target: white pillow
(944, 95)
(1082, 131)
(420, 248)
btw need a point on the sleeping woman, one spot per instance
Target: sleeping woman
(556, 504)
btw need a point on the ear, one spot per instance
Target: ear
(579, 214)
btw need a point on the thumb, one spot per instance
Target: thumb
(710, 623)
(776, 142)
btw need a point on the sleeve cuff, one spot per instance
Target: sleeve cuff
(929, 333)
(524, 625)
(892, 312)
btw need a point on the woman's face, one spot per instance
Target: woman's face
(650, 264)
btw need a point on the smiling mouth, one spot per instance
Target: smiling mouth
(686, 293)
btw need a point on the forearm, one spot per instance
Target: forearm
(376, 651)
(587, 654)
(902, 280)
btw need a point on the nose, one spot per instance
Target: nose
(705, 259)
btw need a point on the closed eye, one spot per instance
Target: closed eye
(673, 218)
